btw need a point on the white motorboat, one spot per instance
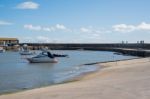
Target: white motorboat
(44, 57)
(2, 50)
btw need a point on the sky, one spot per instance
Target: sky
(75, 21)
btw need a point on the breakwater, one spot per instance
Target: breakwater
(134, 49)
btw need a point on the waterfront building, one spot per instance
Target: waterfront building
(8, 41)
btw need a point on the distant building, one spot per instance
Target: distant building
(122, 42)
(142, 42)
(8, 41)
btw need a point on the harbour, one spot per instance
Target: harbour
(17, 74)
(74, 49)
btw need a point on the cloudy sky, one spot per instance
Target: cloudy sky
(75, 21)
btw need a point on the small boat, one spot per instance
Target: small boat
(44, 57)
(118, 53)
(16, 48)
(2, 50)
(27, 52)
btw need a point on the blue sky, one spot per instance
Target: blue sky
(75, 21)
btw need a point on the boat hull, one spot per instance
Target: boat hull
(26, 53)
(42, 60)
(2, 51)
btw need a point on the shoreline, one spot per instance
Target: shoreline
(73, 79)
(110, 64)
(105, 69)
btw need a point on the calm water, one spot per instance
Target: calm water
(17, 74)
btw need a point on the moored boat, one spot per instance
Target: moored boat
(2, 50)
(44, 57)
(25, 50)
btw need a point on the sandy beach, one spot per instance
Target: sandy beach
(129, 79)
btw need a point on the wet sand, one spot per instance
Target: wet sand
(129, 79)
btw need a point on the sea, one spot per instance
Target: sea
(17, 74)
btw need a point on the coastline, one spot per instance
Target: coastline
(92, 85)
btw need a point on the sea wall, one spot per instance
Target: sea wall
(130, 49)
(88, 46)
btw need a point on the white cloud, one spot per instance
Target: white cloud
(143, 26)
(43, 39)
(130, 28)
(28, 5)
(124, 28)
(61, 27)
(94, 30)
(36, 39)
(85, 30)
(40, 39)
(49, 29)
(31, 27)
(57, 27)
(92, 34)
(27, 40)
(5, 23)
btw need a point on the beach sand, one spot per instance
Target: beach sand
(129, 79)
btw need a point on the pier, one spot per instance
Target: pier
(142, 50)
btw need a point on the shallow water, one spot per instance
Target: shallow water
(16, 73)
